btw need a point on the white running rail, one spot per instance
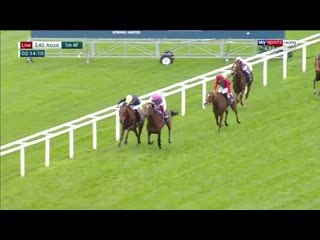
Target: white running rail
(181, 87)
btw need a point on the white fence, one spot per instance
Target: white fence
(181, 87)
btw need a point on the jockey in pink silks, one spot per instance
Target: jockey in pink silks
(159, 102)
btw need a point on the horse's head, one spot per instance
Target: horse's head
(123, 111)
(148, 109)
(209, 98)
(236, 68)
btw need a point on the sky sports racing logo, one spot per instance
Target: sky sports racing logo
(277, 42)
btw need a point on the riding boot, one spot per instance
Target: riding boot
(247, 76)
(139, 115)
(230, 98)
(165, 116)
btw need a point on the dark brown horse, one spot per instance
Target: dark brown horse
(128, 120)
(155, 122)
(220, 106)
(240, 86)
(317, 70)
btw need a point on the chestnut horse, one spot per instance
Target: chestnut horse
(317, 70)
(128, 122)
(240, 86)
(155, 122)
(220, 106)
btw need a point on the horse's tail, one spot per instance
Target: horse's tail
(173, 113)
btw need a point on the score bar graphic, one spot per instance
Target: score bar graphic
(50, 45)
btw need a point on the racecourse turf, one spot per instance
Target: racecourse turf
(268, 161)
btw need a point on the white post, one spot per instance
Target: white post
(265, 72)
(47, 163)
(183, 102)
(285, 58)
(304, 59)
(117, 126)
(71, 146)
(204, 94)
(22, 162)
(94, 135)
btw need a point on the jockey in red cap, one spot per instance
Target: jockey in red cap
(224, 87)
(159, 102)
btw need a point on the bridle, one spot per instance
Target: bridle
(148, 106)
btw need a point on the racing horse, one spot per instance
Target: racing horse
(128, 122)
(155, 122)
(317, 71)
(240, 87)
(220, 106)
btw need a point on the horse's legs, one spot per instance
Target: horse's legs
(149, 141)
(169, 129)
(220, 121)
(243, 93)
(226, 118)
(314, 85)
(126, 139)
(217, 119)
(137, 134)
(240, 98)
(159, 140)
(234, 108)
(121, 136)
(247, 93)
(140, 131)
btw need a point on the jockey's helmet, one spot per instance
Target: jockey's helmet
(129, 98)
(219, 78)
(238, 59)
(155, 97)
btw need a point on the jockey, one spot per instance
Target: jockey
(160, 103)
(135, 104)
(224, 87)
(246, 68)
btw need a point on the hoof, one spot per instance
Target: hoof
(150, 142)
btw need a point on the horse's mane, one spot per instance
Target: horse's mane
(126, 106)
(122, 104)
(152, 106)
(237, 73)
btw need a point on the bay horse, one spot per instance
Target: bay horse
(128, 122)
(240, 87)
(220, 106)
(155, 122)
(317, 71)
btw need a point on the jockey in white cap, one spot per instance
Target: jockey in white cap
(246, 68)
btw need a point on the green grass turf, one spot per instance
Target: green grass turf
(269, 161)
